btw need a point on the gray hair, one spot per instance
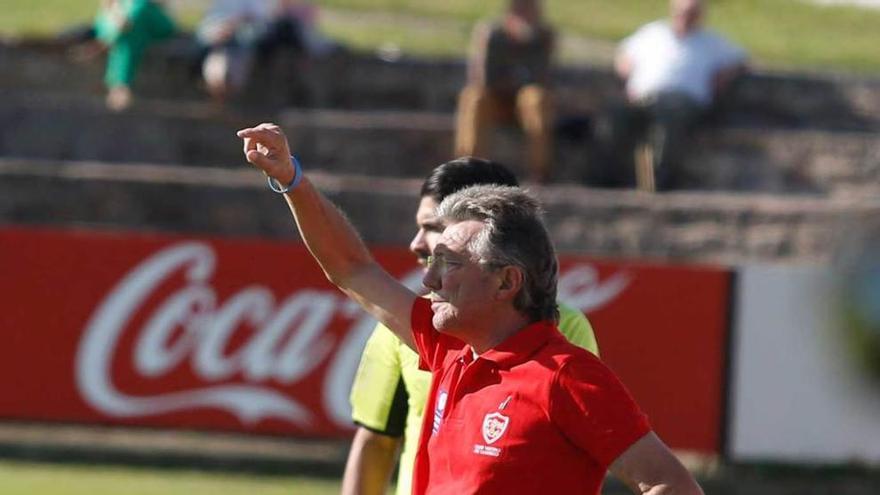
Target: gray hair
(514, 235)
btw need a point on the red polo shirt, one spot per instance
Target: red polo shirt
(536, 414)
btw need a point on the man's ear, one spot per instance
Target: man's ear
(510, 282)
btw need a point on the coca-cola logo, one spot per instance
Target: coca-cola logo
(290, 340)
(580, 287)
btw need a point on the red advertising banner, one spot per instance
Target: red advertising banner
(663, 330)
(247, 335)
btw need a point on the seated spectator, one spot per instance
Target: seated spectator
(234, 33)
(508, 76)
(673, 71)
(229, 34)
(126, 28)
(295, 25)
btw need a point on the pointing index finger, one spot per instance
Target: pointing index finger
(254, 135)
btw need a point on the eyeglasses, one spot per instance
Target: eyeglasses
(443, 264)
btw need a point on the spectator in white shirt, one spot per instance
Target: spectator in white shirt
(673, 70)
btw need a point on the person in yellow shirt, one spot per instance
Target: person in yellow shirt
(390, 391)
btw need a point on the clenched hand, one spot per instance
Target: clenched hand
(265, 146)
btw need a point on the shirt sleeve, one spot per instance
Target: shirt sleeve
(593, 409)
(378, 396)
(632, 44)
(577, 329)
(728, 53)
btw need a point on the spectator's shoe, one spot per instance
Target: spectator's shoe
(119, 98)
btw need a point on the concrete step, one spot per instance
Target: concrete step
(359, 81)
(131, 446)
(757, 159)
(200, 134)
(65, 127)
(684, 226)
(409, 144)
(170, 71)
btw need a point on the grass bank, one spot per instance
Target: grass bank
(27, 478)
(778, 33)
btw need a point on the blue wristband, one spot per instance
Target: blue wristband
(297, 177)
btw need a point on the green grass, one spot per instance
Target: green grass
(787, 33)
(359, 30)
(776, 32)
(19, 478)
(45, 17)
(25, 17)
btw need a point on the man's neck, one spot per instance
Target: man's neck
(682, 32)
(503, 326)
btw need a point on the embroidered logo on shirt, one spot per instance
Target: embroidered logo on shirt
(494, 426)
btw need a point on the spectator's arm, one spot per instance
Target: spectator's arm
(476, 69)
(648, 467)
(622, 65)
(116, 15)
(331, 240)
(627, 55)
(544, 76)
(370, 463)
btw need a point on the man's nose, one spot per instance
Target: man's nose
(418, 244)
(431, 280)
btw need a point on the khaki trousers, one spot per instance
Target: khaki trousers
(480, 108)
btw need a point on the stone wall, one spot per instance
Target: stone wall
(411, 143)
(363, 81)
(377, 127)
(687, 227)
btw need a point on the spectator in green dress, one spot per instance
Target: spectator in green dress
(126, 28)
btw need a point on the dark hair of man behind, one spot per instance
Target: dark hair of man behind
(464, 172)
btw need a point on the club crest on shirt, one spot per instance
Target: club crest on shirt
(494, 426)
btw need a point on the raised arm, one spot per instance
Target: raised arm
(648, 467)
(622, 65)
(330, 238)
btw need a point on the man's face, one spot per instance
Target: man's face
(429, 231)
(462, 290)
(686, 15)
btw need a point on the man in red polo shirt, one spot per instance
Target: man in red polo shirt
(514, 408)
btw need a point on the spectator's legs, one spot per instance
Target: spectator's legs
(226, 70)
(625, 124)
(534, 106)
(122, 61)
(477, 109)
(675, 115)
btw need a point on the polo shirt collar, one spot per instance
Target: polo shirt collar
(520, 346)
